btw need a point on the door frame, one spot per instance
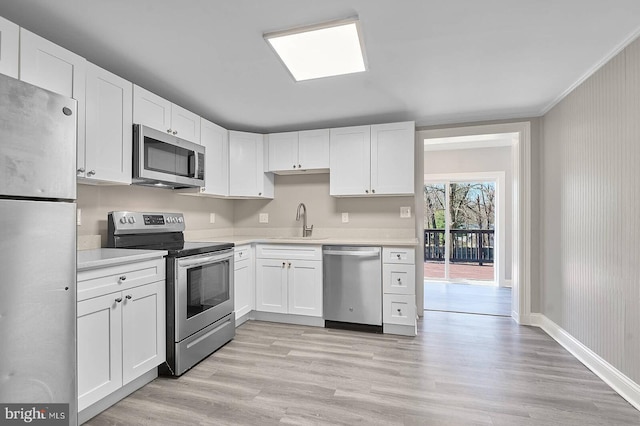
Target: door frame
(500, 235)
(521, 223)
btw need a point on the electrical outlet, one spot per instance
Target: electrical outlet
(264, 218)
(212, 218)
(345, 217)
(405, 212)
(78, 217)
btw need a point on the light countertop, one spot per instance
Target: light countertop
(98, 258)
(257, 239)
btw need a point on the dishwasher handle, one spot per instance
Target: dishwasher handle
(369, 253)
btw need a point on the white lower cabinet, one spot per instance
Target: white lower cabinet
(243, 281)
(121, 334)
(289, 279)
(399, 290)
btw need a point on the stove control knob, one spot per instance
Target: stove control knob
(132, 219)
(180, 219)
(169, 219)
(123, 219)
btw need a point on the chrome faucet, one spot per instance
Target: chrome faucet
(306, 230)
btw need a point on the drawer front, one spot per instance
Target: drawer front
(99, 281)
(399, 309)
(289, 252)
(398, 255)
(399, 279)
(241, 253)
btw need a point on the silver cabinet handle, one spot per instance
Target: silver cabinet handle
(373, 191)
(399, 280)
(81, 170)
(119, 299)
(128, 296)
(400, 311)
(175, 132)
(366, 190)
(91, 172)
(299, 166)
(398, 256)
(284, 263)
(122, 278)
(168, 130)
(289, 264)
(259, 194)
(294, 166)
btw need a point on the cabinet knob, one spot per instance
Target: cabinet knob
(259, 194)
(299, 166)
(91, 172)
(373, 191)
(294, 166)
(400, 311)
(122, 278)
(399, 280)
(283, 264)
(366, 190)
(398, 256)
(119, 299)
(175, 132)
(128, 296)
(168, 130)
(202, 189)
(289, 264)
(81, 170)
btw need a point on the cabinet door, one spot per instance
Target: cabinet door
(99, 348)
(151, 110)
(313, 149)
(47, 65)
(350, 158)
(271, 285)
(143, 330)
(305, 287)
(246, 164)
(244, 290)
(9, 47)
(392, 158)
(283, 151)
(215, 139)
(185, 124)
(109, 126)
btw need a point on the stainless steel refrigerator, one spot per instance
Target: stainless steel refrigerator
(37, 246)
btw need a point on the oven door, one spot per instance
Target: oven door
(204, 291)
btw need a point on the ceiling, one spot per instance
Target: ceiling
(435, 62)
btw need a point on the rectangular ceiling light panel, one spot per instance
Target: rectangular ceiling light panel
(320, 51)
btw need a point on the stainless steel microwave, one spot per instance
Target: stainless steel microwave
(163, 160)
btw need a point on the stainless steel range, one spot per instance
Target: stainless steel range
(200, 317)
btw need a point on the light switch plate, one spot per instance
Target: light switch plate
(212, 218)
(345, 217)
(264, 218)
(405, 212)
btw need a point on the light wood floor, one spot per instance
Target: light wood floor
(467, 298)
(460, 370)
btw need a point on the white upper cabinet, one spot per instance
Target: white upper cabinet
(350, 161)
(372, 160)
(283, 151)
(215, 139)
(156, 112)
(47, 65)
(299, 151)
(9, 47)
(109, 127)
(247, 177)
(392, 158)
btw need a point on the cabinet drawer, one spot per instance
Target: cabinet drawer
(242, 253)
(398, 278)
(289, 252)
(399, 309)
(398, 255)
(99, 281)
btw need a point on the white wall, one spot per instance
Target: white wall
(591, 213)
(477, 160)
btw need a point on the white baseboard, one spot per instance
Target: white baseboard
(627, 388)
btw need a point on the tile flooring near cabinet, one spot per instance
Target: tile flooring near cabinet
(460, 370)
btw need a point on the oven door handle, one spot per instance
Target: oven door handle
(190, 263)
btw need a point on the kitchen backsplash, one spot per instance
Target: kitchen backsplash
(368, 216)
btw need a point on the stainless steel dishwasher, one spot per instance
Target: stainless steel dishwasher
(353, 287)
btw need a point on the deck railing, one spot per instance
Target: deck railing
(467, 245)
